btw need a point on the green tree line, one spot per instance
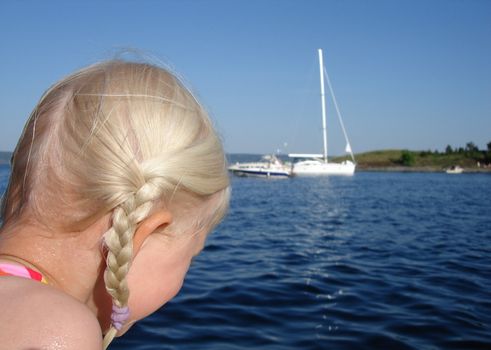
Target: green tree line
(469, 151)
(470, 148)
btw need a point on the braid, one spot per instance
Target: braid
(115, 138)
(119, 241)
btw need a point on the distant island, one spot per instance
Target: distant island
(469, 157)
(405, 160)
(5, 157)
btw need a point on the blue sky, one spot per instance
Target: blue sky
(407, 74)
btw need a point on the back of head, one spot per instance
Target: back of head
(118, 137)
(103, 133)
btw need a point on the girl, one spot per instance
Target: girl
(116, 181)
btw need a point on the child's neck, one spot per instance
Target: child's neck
(72, 262)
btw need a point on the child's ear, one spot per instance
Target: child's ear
(159, 219)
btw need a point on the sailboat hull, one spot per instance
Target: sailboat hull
(316, 168)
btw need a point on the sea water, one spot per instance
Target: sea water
(373, 261)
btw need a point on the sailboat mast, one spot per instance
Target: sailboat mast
(323, 102)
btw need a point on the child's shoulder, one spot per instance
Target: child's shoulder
(36, 316)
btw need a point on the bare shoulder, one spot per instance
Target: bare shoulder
(35, 316)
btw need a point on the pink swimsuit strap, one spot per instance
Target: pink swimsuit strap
(21, 271)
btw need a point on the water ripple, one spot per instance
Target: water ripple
(376, 261)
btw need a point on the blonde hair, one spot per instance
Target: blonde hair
(120, 137)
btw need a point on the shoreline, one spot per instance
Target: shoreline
(402, 169)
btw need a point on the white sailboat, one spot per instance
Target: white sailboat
(318, 164)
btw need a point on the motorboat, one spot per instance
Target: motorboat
(454, 169)
(270, 166)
